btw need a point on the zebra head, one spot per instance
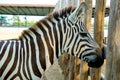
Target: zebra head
(79, 41)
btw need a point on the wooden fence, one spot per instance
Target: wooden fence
(113, 56)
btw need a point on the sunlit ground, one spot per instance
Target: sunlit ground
(10, 33)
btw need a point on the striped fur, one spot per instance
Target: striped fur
(39, 47)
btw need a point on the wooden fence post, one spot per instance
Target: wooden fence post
(88, 15)
(66, 3)
(98, 32)
(113, 54)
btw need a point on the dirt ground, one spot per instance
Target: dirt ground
(10, 32)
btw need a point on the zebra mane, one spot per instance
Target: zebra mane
(61, 13)
(54, 15)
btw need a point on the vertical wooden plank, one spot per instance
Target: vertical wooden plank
(98, 32)
(88, 15)
(99, 21)
(69, 2)
(83, 71)
(63, 4)
(113, 56)
(66, 3)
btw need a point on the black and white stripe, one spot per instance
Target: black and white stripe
(39, 46)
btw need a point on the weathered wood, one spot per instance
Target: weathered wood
(99, 21)
(66, 3)
(88, 15)
(98, 32)
(113, 56)
(70, 66)
(83, 71)
(53, 73)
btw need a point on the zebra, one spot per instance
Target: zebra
(40, 46)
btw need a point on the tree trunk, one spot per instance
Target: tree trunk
(113, 56)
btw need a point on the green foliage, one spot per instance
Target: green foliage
(21, 23)
(106, 24)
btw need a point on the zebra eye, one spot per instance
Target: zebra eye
(83, 34)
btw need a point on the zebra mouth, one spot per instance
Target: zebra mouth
(88, 56)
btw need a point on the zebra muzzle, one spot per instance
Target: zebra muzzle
(93, 58)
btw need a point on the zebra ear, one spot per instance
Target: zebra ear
(78, 12)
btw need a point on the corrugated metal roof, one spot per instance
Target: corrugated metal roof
(32, 9)
(26, 9)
